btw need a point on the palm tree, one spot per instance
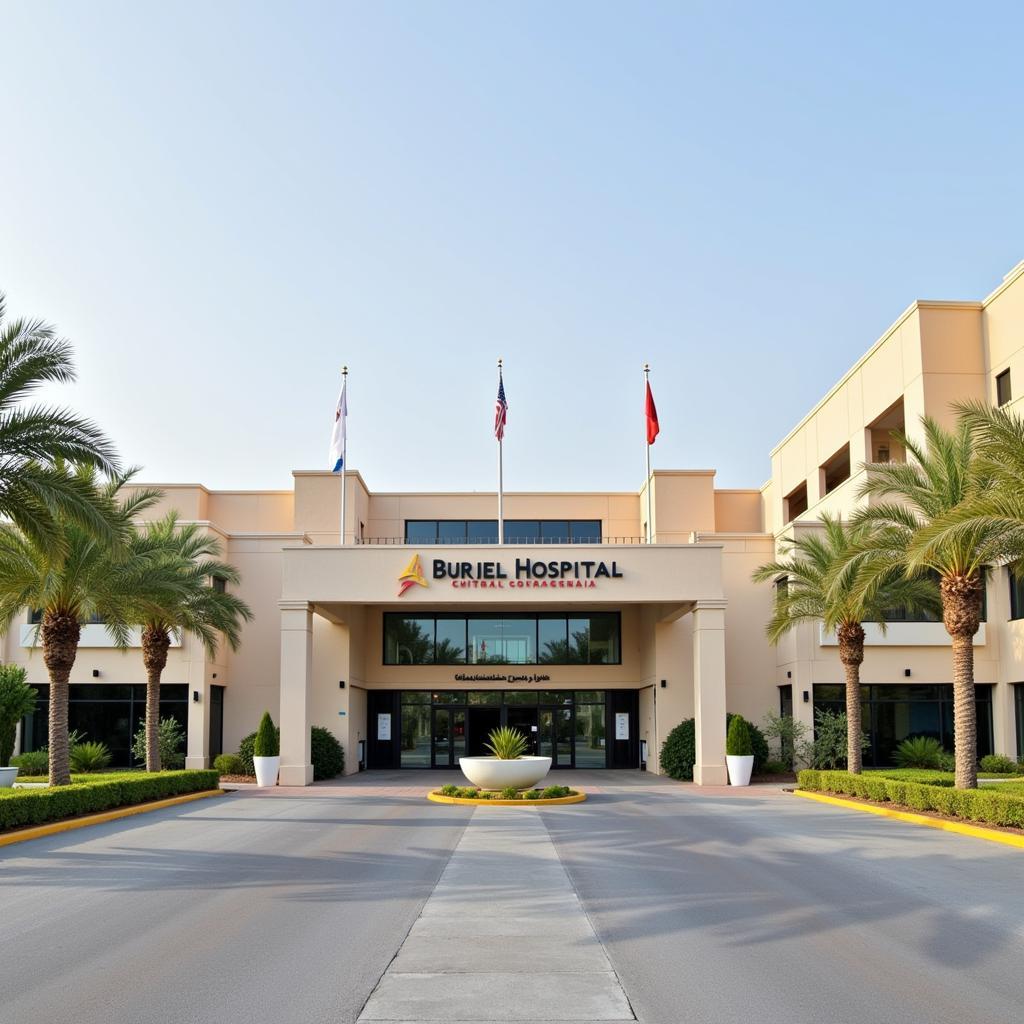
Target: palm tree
(194, 602)
(35, 492)
(944, 477)
(805, 593)
(81, 577)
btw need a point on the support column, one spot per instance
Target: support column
(709, 692)
(197, 755)
(296, 692)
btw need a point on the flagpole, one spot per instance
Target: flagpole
(501, 482)
(344, 461)
(647, 371)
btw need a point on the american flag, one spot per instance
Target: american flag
(500, 410)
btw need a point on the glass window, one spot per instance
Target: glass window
(1003, 391)
(1016, 597)
(520, 697)
(519, 638)
(579, 641)
(408, 640)
(551, 641)
(554, 696)
(421, 531)
(451, 531)
(415, 751)
(604, 638)
(482, 531)
(450, 642)
(522, 531)
(415, 697)
(786, 700)
(484, 697)
(585, 531)
(554, 531)
(590, 736)
(448, 697)
(1018, 703)
(484, 645)
(590, 696)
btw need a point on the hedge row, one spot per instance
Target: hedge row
(20, 807)
(984, 805)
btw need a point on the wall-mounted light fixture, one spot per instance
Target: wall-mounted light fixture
(195, 696)
(807, 696)
(664, 684)
(95, 673)
(341, 684)
(789, 675)
(214, 675)
(906, 671)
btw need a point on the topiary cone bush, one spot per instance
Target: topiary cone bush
(267, 743)
(738, 742)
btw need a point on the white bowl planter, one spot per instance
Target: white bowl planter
(490, 773)
(7, 777)
(740, 766)
(266, 770)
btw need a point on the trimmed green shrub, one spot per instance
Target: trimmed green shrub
(468, 792)
(737, 740)
(449, 790)
(228, 764)
(946, 762)
(33, 762)
(553, 792)
(679, 751)
(509, 793)
(20, 807)
(918, 752)
(17, 699)
(921, 775)
(268, 738)
(998, 764)
(326, 754)
(986, 805)
(532, 794)
(170, 742)
(89, 757)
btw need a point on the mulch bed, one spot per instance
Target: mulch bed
(238, 778)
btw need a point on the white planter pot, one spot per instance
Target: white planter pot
(266, 770)
(490, 773)
(740, 766)
(7, 777)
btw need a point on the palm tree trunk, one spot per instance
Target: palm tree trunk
(155, 643)
(961, 614)
(851, 654)
(59, 635)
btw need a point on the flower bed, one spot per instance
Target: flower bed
(452, 794)
(988, 805)
(21, 807)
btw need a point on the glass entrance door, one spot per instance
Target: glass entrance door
(449, 737)
(525, 720)
(555, 736)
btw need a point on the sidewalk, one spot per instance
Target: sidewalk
(503, 937)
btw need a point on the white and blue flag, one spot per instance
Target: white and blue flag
(338, 433)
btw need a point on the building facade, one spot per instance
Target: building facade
(420, 633)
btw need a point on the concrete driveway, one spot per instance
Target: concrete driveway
(652, 899)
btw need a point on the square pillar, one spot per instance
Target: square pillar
(709, 692)
(296, 692)
(197, 754)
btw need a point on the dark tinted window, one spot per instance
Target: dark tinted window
(1003, 393)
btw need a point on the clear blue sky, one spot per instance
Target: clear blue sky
(221, 203)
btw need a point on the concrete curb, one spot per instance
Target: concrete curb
(576, 798)
(69, 824)
(960, 827)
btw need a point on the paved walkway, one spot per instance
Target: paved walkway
(503, 937)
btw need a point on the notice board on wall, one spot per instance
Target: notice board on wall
(384, 727)
(621, 725)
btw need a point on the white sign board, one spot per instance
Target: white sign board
(622, 725)
(384, 727)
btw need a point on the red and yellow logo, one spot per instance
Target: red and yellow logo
(411, 576)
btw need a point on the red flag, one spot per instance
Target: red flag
(652, 417)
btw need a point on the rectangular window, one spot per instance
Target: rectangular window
(511, 639)
(1003, 392)
(837, 469)
(522, 531)
(1016, 596)
(517, 531)
(421, 531)
(795, 502)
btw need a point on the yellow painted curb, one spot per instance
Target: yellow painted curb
(576, 798)
(961, 827)
(69, 824)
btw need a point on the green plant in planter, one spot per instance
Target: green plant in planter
(90, 756)
(737, 740)
(17, 699)
(506, 743)
(267, 742)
